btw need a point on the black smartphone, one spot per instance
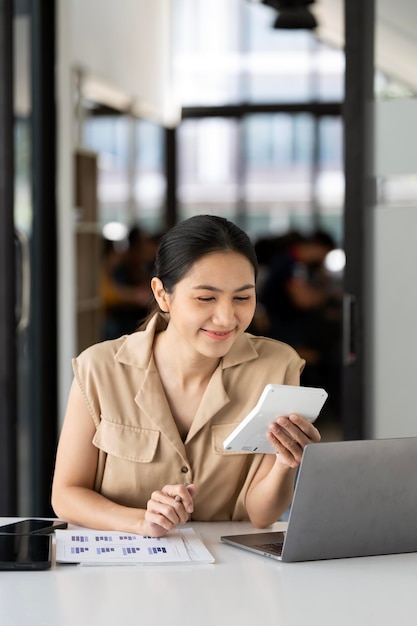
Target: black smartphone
(32, 527)
(25, 552)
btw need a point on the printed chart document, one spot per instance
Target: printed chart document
(96, 547)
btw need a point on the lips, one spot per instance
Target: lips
(218, 335)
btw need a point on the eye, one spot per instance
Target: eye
(242, 298)
(205, 299)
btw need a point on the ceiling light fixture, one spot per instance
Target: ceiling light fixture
(293, 14)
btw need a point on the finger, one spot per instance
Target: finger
(166, 506)
(306, 426)
(286, 456)
(290, 438)
(157, 524)
(156, 519)
(192, 490)
(154, 530)
(289, 435)
(299, 429)
(181, 494)
(187, 495)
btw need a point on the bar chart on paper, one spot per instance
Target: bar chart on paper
(92, 547)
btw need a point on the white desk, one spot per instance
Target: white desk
(240, 589)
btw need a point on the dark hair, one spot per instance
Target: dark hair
(322, 238)
(190, 240)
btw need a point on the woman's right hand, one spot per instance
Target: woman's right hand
(168, 508)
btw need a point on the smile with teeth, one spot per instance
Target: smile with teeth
(217, 333)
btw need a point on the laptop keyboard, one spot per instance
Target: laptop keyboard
(275, 548)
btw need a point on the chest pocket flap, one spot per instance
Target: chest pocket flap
(126, 442)
(219, 433)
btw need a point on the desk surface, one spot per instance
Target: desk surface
(240, 588)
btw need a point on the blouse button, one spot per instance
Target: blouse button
(184, 469)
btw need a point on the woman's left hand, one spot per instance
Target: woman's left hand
(289, 436)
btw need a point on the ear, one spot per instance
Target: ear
(161, 296)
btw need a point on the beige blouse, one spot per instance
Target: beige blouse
(140, 449)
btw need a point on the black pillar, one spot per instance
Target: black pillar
(171, 207)
(359, 81)
(8, 431)
(43, 329)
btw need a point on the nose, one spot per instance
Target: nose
(224, 314)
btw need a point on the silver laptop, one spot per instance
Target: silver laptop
(352, 498)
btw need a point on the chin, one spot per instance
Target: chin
(217, 351)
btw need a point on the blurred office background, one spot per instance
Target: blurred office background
(131, 114)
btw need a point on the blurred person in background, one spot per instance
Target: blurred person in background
(297, 304)
(126, 290)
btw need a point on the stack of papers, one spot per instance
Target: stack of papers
(94, 547)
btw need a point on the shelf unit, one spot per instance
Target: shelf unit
(89, 309)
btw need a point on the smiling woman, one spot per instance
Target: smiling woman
(141, 448)
(214, 303)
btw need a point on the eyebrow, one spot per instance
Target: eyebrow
(217, 290)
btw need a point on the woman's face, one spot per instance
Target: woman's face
(213, 304)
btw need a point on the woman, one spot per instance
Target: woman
(141, 449)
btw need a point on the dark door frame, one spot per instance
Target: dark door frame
(41, 424)
(359, 93)
(44, 254)
(8, 434)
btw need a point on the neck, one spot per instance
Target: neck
(187, 368)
